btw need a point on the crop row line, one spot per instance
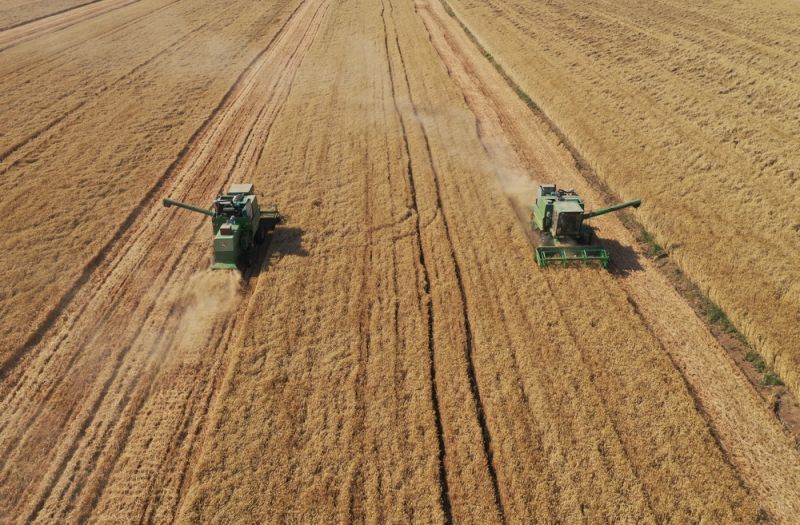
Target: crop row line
(444, 495)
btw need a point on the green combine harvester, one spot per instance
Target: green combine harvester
(559, 217)
(238, 223)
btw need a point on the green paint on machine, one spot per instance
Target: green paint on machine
(565, 239)
(238, 223)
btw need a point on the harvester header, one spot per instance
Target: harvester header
(559, 215)
(238, 224)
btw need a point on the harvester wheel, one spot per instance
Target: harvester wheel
(260, 234)
(247, 258)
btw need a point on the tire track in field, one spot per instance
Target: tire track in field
(473, 383)
(488, 121)
(444, 495)
(196, 173)
(705, 167)
(258, 134)
(714, 383)
(220, 134)
(15, 35)
(192, 426)
(148, 199)
(499, 152)
(85, 499)
(48, 15)
(51, 127)
(52, 57)
(540, 427)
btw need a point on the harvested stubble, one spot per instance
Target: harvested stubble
(110, 398)
(395, 356)
(522, 147)
(694, 108)
(92, 121)
(560, 424)
(16, 12)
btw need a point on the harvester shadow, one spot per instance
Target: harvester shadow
(280, 242)
(624, 259)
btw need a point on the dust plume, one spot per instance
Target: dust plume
(207, 299)
(501, 159)
(506, 166)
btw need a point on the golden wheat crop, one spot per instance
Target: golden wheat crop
(695, 109)
(395, 355)
(545, 387)
(60, 93)
(17, 12)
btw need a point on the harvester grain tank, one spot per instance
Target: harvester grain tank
(559, 216)
(238, 225)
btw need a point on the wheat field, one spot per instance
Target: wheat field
(694, 108)
(395, 354)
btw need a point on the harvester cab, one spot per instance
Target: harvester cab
(560, 212)
(238, 225)
(565, 238)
